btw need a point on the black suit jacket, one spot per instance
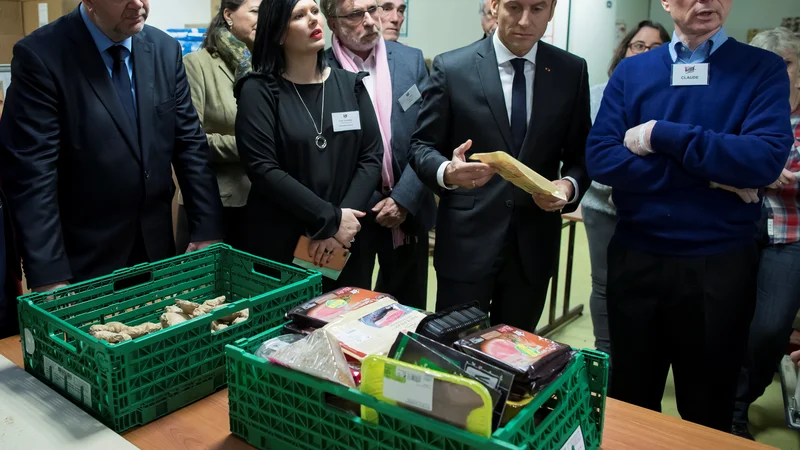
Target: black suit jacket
(407, 68)
(80, 181)
(464, 100)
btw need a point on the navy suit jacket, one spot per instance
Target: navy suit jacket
(81, 182)
(407, 68)
(464, 100)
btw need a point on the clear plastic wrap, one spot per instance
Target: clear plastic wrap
(319, 355)
(271, 346)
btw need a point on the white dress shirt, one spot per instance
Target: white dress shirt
(504, 58)
(369, 65)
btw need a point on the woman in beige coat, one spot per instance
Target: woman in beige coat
(212, 72)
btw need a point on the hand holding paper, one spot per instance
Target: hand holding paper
(551, 203)
(522, 176)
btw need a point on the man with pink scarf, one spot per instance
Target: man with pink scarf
(402, 209)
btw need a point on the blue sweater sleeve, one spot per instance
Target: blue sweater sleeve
(608, 160)
(753, 158)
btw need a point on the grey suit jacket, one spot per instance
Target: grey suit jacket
(407, 68)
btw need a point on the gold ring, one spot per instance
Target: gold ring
(473, 184)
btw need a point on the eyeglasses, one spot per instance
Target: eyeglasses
(640, 47)
(358, 15)
(389, 7)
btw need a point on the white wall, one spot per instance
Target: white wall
(178, 13)
(438, 26)
(631, 12)
(745, 14)
(592, 35)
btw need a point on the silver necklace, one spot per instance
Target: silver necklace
(320, 140)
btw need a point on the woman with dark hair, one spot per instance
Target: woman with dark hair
(310, 143)
(599, 214)
(212, 71)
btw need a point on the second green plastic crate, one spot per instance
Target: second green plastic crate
(132, 383)
(273, 407)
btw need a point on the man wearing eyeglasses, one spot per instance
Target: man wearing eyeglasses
(393, 15)
(511, 93)
(402, 210)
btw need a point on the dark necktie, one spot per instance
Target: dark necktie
(122, 83)
(519, 105)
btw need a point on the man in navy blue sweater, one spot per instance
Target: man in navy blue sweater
(681, 131)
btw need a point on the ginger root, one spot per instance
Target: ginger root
(141, 330)
(169, 319)
(110, 337)
(208, 306)
(187, 307)
(113, 327)
(217, 326)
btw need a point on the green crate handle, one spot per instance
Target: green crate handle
(63, 344)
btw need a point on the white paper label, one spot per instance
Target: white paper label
(351, 337)
(43, 15)
(575, 441)
(410, 387)
(409, 98)
(770, 227)
(690, 74)
(30, 343)
(346, 121)
(68, 381)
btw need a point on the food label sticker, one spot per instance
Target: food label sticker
(68, 381)
(575, 442)
(410, 387)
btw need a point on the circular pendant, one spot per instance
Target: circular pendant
(321, 142)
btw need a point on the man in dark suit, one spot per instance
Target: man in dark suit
(97, 113)
(402, 212)
(508, 93)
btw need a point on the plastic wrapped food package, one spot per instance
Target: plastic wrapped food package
(269, 347)
(318, 355)
(321, 310)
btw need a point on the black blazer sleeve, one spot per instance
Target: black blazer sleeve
(29, 145)
(191, 162)
(370, 159)
(256, 129)
(433, 128)
(574, 156)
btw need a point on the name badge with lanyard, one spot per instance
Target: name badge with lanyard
(690, 74)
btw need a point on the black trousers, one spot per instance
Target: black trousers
(507, 293)
(403, 271)
(233, 222)
(690, 313)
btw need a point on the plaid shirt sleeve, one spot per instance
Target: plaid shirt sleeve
(783, 205)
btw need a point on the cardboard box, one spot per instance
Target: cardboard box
(38, 13)
(7, 42)
(11, 18)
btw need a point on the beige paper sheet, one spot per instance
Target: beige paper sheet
(519, 174)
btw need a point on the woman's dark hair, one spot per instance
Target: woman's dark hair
(273, 21)
(211, 41)
(622, 48)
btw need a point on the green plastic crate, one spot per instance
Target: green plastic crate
(273, 407)
(135, 382)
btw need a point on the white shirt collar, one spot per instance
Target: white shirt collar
(369, 62)
(504, 55)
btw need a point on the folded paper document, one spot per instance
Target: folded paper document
(519, 174)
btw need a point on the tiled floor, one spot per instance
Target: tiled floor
(767, 418)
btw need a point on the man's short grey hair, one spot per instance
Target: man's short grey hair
(482, 4)
(777, 41)
(329, 8)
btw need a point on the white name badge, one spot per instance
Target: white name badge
(690, 74)
(346, 121)
(409, 98)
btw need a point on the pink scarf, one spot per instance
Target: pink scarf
(382, 102)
